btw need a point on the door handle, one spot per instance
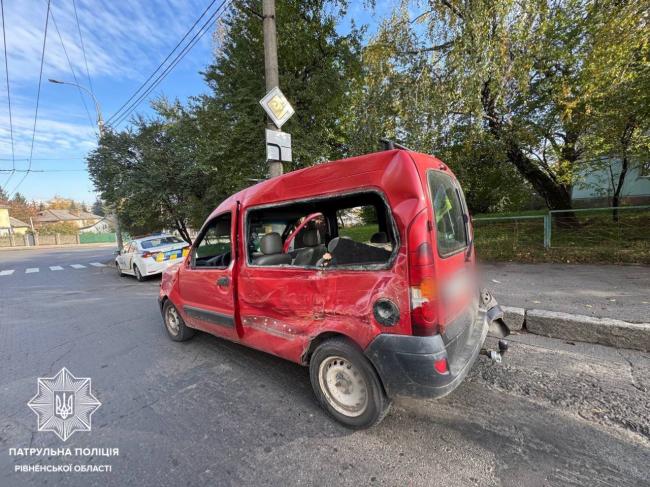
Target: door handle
(223, 281)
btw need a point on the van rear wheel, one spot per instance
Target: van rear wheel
(347, 385)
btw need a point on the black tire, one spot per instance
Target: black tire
(178, 333)
(342, 361)
(137, 273)
(119, 270)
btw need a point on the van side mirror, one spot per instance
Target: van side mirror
(117, 252)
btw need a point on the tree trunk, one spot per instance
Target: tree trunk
(182, 230)
(616, 198)
(556, 195)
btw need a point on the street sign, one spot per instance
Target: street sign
(277, 107)
(278, 146)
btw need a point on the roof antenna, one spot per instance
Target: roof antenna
(387, 144)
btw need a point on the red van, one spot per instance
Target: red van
(361, 269)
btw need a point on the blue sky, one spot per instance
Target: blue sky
(125, 41)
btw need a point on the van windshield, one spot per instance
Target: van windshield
(448, 209)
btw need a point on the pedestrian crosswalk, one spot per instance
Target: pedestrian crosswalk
(54, 268)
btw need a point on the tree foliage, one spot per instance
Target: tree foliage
(530, 79)
(519, 98)
(171, 170)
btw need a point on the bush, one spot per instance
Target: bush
(65, 228)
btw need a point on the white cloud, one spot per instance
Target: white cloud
(124, 42)
(122, 39)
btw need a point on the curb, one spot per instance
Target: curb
(580, 328)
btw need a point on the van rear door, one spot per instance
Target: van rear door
(457, 290)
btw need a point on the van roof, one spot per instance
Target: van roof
(368, 170)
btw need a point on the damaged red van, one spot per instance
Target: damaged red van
(361, 269)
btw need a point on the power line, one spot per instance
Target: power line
(65, 51)
(83, 47)
(11, 124)
(177, 60)
(117, 117)
(38, 97)
(162, 63)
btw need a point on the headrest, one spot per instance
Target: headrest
(334, 243)
(379, 237)
(310, 238)
(271, 243)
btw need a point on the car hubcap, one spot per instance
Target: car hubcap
(344, 386)
(173, 320)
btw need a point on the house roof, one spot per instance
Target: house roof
(50, 215)
(16, 223)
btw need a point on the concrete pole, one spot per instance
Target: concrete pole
(271, 67)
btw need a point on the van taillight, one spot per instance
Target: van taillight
(422, 278)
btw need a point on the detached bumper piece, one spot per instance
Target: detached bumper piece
(426, 366)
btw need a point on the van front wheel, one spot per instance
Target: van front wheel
(346, 384)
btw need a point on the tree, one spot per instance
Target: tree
(20, 208)
(317, 67)
(4, 197)
(171, 170)
(18, 199)
(60, 203)
(98, 208)
(521, 72)
(396, 97)
(620, 136)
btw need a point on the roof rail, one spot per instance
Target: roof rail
(387, 144)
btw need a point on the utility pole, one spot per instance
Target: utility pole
(271, 68)
(100, 128)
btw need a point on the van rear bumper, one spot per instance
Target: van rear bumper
(406, 363)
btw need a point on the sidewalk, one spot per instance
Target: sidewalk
(64, 246)
(606, 304)
(606, 291)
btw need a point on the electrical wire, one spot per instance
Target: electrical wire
(11, 123)
(142, 86)
(177, 60)
(83, 47)
(118, 117)
(74, 76)
(38, 98)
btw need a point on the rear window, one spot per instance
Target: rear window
(159, 242)
(448, 211)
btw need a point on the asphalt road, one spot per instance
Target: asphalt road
(209, 412)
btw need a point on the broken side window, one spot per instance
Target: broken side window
(346, 230)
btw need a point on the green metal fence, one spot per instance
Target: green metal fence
(621, 228)
(601, 231)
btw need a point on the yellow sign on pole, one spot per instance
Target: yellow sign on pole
(277, 107)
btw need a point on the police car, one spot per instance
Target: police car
(148, 256)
